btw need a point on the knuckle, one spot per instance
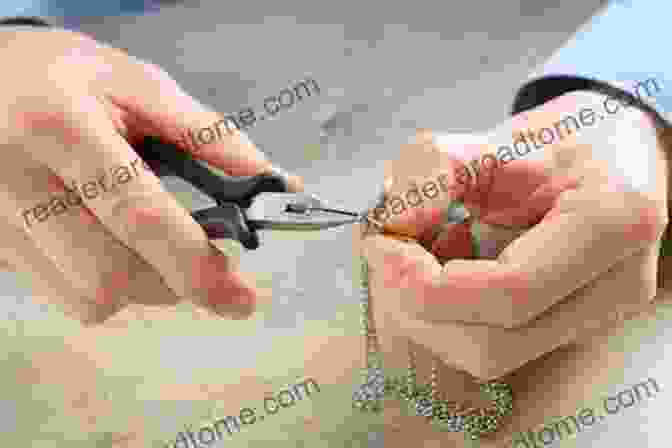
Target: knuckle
(517, 299)
(117, 282)
(490, 365)
(136, 218)
(649, 290)
(98, 305)
(648, 222)
(41, 120)
(512, 316)
(80, 38)
(91, 314)
(518, 314)
(492, 356)
(489, 372)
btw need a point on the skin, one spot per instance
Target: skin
(133, 243)
(552, 292)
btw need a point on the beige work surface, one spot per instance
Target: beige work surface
(383, 68)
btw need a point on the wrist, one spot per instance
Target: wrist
(544, 89)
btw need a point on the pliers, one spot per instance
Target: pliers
(244, 204)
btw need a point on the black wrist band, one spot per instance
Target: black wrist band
(29, 21)
(544, 89)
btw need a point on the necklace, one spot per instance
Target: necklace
(423, 399)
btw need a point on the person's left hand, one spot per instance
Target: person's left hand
(586, 220)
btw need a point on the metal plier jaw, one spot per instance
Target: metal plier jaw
(244, 204)
(295, 211)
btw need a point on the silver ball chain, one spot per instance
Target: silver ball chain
(425, 400)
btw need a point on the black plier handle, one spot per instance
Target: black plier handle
(244, 204)
(232, 194)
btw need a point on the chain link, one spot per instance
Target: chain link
(424, 400)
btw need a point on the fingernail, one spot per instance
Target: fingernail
(220, 287)
(241, 306)
(233, 300)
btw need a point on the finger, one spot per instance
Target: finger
(588, 230)
(514, 159)
(156, 105)
(624, 292)
(578, 245)
(87, 255)
(416, 188)
(506, 176)
(140, 213)
(48, 285)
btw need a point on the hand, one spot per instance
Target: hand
(80, 211)
(584, 215)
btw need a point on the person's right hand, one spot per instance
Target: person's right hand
(72, 108)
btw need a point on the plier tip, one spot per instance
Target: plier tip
(297, 211)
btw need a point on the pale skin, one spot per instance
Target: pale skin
(577, 232)
(131, 244)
